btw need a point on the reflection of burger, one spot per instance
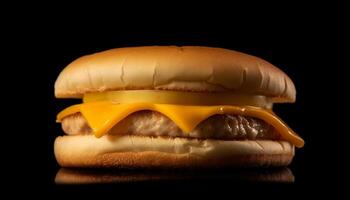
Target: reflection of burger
(96, 176)
(174, 107)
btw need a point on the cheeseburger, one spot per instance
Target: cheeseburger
(174, 107)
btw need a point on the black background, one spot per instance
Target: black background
(300, 43)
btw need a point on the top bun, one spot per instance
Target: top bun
(189, 68)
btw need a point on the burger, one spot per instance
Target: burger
(174, 107)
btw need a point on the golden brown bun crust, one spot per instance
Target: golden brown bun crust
(144, 160)
(201, 69)
(147, 152)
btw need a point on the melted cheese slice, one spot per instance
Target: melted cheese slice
(103, 115)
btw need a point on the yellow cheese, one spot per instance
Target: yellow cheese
(103, 115)
(179, 98)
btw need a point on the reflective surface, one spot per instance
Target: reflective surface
(99, 176)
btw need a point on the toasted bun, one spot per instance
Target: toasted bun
(201, 69)
(155, 152)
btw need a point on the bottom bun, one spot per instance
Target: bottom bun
(130, 151)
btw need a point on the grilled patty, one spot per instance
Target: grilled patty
(151, 123)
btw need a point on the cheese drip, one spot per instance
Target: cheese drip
(103, 115)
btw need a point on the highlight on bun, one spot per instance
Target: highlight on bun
(189, 68)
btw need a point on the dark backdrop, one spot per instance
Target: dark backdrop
(299, 46)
